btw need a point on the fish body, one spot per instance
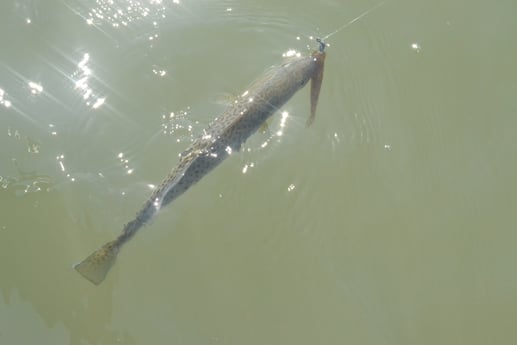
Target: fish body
(221, 138)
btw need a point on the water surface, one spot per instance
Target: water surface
(389, 221)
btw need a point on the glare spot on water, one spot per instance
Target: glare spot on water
(124, 162)
(81, 82)
(247, 166)
(122, 13)
(87, 94)
(35, 88)
(291, 53)
(84, 61)
(160, 73)
(60, 159)
(229, 9)
(283, 119)
(98, 103)
(175, 123)
(28, 20)
(416, 47)
(3, 101)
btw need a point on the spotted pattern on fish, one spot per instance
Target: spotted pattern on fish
(224, 135)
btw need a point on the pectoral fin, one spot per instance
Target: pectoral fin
(316, 80)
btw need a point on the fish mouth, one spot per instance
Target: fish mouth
(322, 46)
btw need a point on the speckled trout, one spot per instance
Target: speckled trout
(224, 135)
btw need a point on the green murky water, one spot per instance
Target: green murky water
(389, 221)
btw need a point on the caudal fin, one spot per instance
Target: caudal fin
(97, 265)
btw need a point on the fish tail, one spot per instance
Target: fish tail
(97, 265)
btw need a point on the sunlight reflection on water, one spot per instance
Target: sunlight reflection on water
(331, 231)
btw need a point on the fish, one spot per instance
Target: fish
(218, 141)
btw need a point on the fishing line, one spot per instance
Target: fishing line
(365, 13)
